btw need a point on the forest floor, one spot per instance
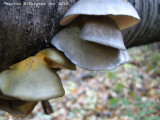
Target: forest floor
(129, 92)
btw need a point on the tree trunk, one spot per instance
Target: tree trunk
(27, 29)
(148, 30)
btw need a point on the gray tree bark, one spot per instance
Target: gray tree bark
(148, 30)
(27, 29)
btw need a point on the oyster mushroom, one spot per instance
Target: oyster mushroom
(126, 56)
(17, 108)
(122, 12)
(56, 59)
(93, 39)
(31, 80)
(88, 55)
(102, 30)
(6, 97)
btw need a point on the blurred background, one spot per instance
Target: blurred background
(129, 92)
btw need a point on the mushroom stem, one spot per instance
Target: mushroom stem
(47, 108)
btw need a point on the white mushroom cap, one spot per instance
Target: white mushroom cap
(103, 30)
(31, 80)
(88, 55)
(122, 12)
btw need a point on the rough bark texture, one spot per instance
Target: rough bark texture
(148, 30)
(25, 30)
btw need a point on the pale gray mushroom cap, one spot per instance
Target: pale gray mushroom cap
(126, 56)
(31, 80)
(87, 55)
(103, 30)
(122, 12)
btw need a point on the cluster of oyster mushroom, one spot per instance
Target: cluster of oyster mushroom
(92, 39)
(32, 80)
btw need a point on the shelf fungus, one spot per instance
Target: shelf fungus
(92, 38)
(32, 80)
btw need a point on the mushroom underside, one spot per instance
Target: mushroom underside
(122, 12)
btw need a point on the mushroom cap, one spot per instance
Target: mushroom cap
(88, 55)
(126, 56)
(56, 59)
(122, 12)
(31, 80)
(103, 30)
(6, 97)
(17, 108)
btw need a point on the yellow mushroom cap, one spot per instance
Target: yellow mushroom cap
(122, 12)
(56, 59)
(17, 108)
(31, 80)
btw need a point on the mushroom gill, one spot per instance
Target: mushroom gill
(122, 12)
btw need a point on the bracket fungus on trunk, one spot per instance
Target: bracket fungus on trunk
(92, 39)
